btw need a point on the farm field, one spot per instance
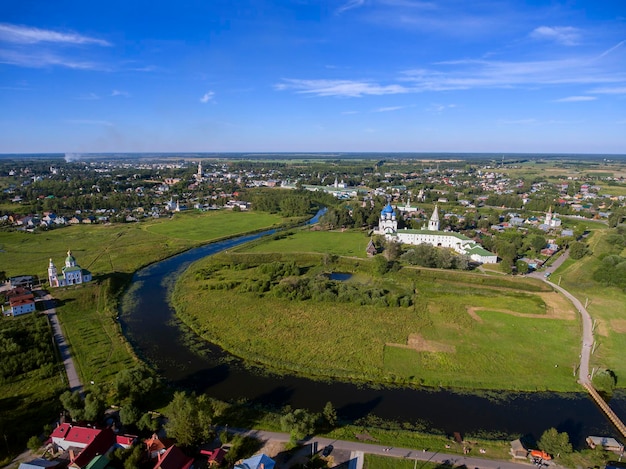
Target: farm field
(416, 327)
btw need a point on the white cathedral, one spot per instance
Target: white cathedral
(71, 273)
(388, 226)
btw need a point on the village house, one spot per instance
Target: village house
(20, 301)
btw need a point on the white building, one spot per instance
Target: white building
(552, 221)
(388, 226)
(72, 274)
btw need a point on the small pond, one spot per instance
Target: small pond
(340, 276)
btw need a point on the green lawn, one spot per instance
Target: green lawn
(473, 335)
(385, 462)
(122, 247)
(87, 314)
(347, 243)
(606, 305)
(206, 226)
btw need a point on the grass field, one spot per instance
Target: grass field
(464, 330)
(205, 226)
(87, 315)
(607, 306)
(122, 247)
(348, 243)
(385, 462)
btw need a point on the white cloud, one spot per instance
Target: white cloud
(30, 35)
(566, 35)
(120, 93)
(344, 88)
(439, 108)
(349, 5)
(611, 49)
(576, 99)
(472, 73)
(610, 90)
(208, 96)
(42, 59)
(389, 108)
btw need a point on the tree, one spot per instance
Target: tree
(522, 267)
(129, 414)
(380, 265)
(94, 406)
(34, 443)
(392, 250)
(555, 443)
(537, 243)
(299, 423)
(330, 414)
(148, 423)
(73, 403)
(605, 380)
(134, 383)
(577, 250)
(189, 419)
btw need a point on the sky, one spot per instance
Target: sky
(533, 76)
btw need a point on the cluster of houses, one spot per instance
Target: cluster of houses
(86, 447)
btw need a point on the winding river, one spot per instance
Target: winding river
(155, 333)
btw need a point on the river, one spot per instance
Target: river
(152, 328)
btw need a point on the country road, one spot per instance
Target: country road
(420, 454)
(62, 345)
(587, 323)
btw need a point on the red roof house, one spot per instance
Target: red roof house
(174, 458)
(99, 445)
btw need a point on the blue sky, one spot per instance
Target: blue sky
(305, 75)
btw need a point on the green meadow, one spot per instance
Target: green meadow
(606, 305)
(123, 247)
(205, 226)
(348, 243)
(434, 328)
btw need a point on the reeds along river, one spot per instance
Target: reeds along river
(150, 325)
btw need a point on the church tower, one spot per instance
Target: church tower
(433, 223)
(549, 217)
(199, 175)
(69, 260)
(53, 278)
(387, 223)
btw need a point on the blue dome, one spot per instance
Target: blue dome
(388, 209)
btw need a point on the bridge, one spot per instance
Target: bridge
(615, 420)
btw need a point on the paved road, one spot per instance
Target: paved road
(64, 349)
(587, 339)
(405, 453)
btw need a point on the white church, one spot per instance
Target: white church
(388, 226)
(71, 273)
